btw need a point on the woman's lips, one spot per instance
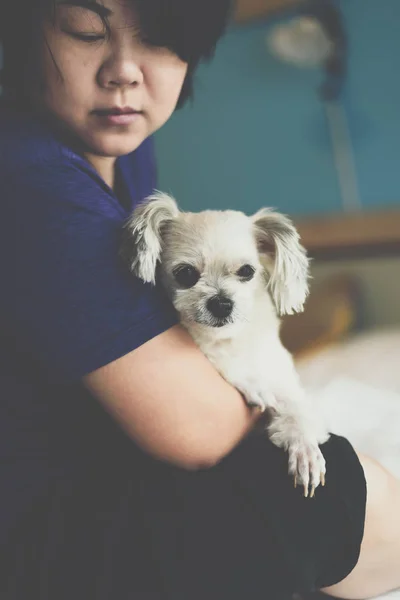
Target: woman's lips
(118, 116)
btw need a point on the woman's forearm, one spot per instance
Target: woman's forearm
(378, 568)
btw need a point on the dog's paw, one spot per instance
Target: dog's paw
(256, 400)
(306, 461)
(307, 466)
(253, 395)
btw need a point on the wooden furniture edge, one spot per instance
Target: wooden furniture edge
(364, 234)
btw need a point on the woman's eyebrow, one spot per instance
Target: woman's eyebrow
(101, 10)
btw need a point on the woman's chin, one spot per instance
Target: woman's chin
(115, 145)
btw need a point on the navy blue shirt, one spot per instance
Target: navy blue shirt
(68, 305)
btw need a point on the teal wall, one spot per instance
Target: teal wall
(256, 133)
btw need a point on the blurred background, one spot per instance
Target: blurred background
(300, 110)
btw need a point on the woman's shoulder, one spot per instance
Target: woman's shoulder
(31, 152)
(25, 142)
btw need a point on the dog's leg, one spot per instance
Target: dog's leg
(293, 427)
(296, 430)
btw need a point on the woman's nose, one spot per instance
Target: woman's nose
(121, 69)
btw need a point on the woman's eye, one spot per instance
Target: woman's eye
(246, 272)
(186, 276)
(87, 37)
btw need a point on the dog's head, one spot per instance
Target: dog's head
(213, 263)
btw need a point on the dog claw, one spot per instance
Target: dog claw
(309, 478)
(305, 460)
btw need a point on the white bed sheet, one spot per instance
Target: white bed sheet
(372, 358)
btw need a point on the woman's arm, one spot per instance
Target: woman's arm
(378, 568)
(172, 402)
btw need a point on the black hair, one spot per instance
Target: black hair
(189, 28)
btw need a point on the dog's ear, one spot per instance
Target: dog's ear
(284, 258)
(142, 234)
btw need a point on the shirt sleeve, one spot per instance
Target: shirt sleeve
(70, 301)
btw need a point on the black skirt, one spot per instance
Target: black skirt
(135, 528)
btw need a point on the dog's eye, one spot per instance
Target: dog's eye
(246, 272)
(186, 276)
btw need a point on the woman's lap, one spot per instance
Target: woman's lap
(146, 530)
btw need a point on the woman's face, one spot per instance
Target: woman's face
(110, 91)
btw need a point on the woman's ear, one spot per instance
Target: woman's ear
(142, 234)
(284, 258)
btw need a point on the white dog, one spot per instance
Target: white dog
(228, 275)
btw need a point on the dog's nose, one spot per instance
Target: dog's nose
(220, 306)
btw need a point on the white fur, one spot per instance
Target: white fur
(245, 347)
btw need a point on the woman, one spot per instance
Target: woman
(129, 467)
